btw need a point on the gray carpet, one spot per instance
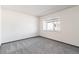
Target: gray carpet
(37, 45)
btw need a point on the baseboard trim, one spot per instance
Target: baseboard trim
(40, 36)
(61, 42)
(19, 40)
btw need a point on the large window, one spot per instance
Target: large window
(51, 25)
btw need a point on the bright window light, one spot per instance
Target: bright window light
(51, 25)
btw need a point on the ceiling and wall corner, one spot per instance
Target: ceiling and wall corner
(13, 15)
(37, 10)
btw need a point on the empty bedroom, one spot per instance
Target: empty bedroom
(39, 29)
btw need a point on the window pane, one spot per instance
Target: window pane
(50, 26)
(57, 28)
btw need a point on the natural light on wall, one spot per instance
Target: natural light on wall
(51, 24)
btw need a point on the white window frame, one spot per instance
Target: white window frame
(55, 22)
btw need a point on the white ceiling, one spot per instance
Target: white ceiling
(37, 10)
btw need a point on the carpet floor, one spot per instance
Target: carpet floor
(37, 45)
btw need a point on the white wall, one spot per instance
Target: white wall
(0, 24)
(69, 32)
(17, 26)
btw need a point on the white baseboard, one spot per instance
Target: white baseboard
(29, 36)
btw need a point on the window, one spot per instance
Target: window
(51, 25)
